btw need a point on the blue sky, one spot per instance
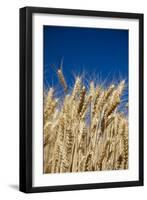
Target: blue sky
(98, 53)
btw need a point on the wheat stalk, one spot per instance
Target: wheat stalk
(84, 130)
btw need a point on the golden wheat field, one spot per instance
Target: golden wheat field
(85, 130)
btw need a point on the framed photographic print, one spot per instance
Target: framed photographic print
(81, 99)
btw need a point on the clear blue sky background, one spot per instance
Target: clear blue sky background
(99, 53)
